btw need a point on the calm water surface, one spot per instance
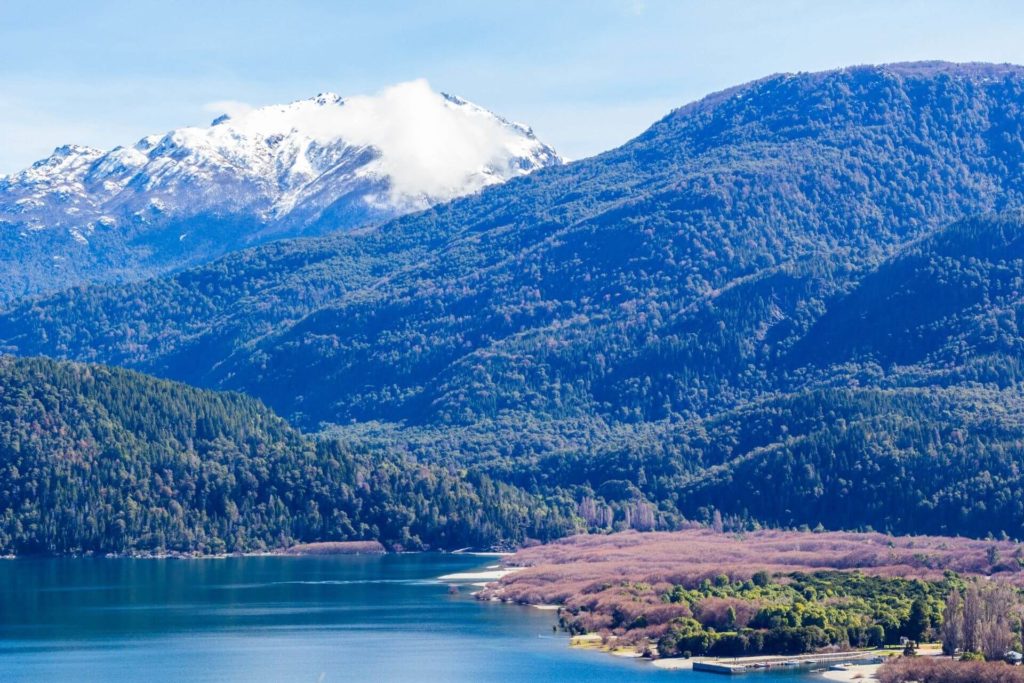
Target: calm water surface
(282, 619)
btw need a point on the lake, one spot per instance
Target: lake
(341, 618)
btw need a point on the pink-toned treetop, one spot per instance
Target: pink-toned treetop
(583, 564)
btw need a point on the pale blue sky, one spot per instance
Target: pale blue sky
(586, 75)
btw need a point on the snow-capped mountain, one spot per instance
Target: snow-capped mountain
(309, 167)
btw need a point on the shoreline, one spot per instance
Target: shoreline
(290, 551)
(850, 669)
(855, 672)
(848, 660)
(593, 576)
(489, 574)
(484, 577)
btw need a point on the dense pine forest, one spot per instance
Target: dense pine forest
(103, 460)
(793, 303)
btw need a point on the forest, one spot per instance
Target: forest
(793, 304)
(667, 277)
(104, 460)
(800, 613)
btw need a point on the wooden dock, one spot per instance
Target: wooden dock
(752, 664)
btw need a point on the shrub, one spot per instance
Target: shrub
(942, 670)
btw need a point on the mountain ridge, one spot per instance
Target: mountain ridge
(683, 192)
(554, 331)
(309, 167)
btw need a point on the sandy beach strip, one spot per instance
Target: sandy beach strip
(488, 575)
(854, 672)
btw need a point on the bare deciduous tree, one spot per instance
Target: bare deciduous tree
(972, 617)
(989, 609)
(994, 632)
(953, 623)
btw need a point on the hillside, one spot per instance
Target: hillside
(193, 194)
(804, 287)
(932, 460)
(562, 291)
(98, 459)
(943, 309)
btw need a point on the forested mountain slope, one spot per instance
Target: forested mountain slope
(593, 288)
(799, 291)
(901, 409)
(97, 459)
(909, 460)
(950, 304)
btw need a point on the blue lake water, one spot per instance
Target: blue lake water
(362, 618)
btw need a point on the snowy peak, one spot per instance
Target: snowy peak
(66, 160)
(428, 147)
(331, 161)
(327, 98)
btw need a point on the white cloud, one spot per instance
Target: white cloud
(428, 146)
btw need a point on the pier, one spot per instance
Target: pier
(744, 665)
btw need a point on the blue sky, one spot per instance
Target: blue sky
(586, 75)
